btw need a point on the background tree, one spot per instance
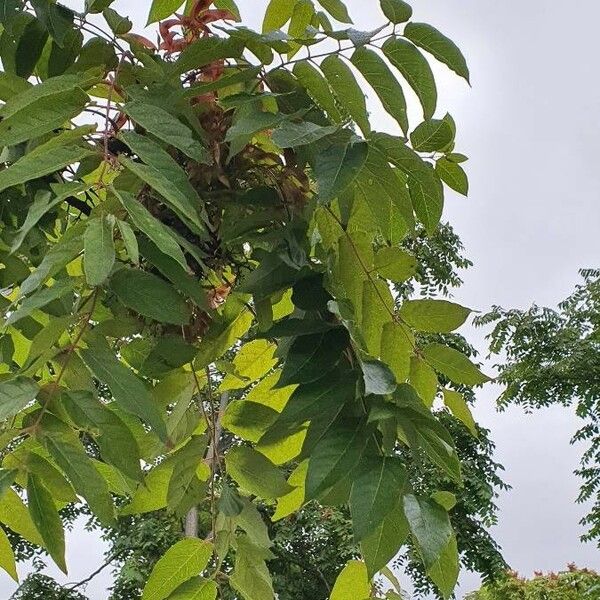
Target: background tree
(553, 357)
(215, 260)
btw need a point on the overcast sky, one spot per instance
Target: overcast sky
(530, 223)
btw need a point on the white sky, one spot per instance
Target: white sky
(530, 223)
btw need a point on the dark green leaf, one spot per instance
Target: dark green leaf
(272, 275)
(378, 378)
(337, 9)
(150, 296)
(375, 492)
(317, 86)
(453, 175)
(382, 80)
(161, 9)
(445, 50)
(396, 11)
(278, 13)
(415, 69)
(99, 250)
(128, 391)
(57, 19)
(119, 25)
(291, 135)
(310, 356)
(433, 135)
(453, 364)
(47, 520)
(346, 88)
(16, 394)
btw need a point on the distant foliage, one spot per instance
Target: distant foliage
(573, 584)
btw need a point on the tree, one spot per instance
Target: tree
(214, 259)
(553, 357)
(573, 584)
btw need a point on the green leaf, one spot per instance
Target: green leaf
(130, 241)
(292, 502)
(14, 514)
(396, 11)
(278, 13)
(455, 401)
(377, 310)
(181, 562)
(7, 478)
(157, 231)
(15, 395)
(336, 167)
(434, 316)
(99, 250)
(311, 79)
(150, 296)
(352, 583)
(415, 69)
(382, 546)
(161, 9)
(47, 520)
(248, 420)
(380, 77)
(423, 379)
(57, 19)
(97, 6)
(291, 135)
(205, 51)
(397, 342)
(453, 175)
(43, 107)
(251, 577)
(395, 264)
(44, 202)
(162, 173)
(432, 135)
(115, 440)
(40, 299)
(167, 128)
(454, 365)
(291, 327)
(335, 455)
(446, 500)
(43, 160)
(347, 90)
(425, 187)
(374, 493)
(254, 360)
(7, 556)
(444, 572)
(196, 589)
(118, 24)
(445, 50)
(432, 533)
(11, 85)
(337, 9)
(311, 356)
(256, 474)
(128, 390)
(84, 477)
(378, 378)
(273, 274)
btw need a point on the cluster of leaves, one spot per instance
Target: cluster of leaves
(573, 584)
(553, 357)
(226, 203)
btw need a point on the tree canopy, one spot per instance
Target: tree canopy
(199, 239)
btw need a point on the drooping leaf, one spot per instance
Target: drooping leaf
(415, 69)
(47, 520)
(317, 86)
(347, 90)
(336, 167)
(382, 80)
(453, 364)
(375, 491)
(167, 128)
(150, 296)
(435, 316)
(334, 456)
(445, 50)
(14, 514)
(310, 356)
(352, 583)
(16, 394)
(256, 474)
(457, 404)
(127, 389)
(84, 477)
(381, 547)
(99, 250)
(181, 562)
(7, 556)
(453, 175)
(157, 231)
